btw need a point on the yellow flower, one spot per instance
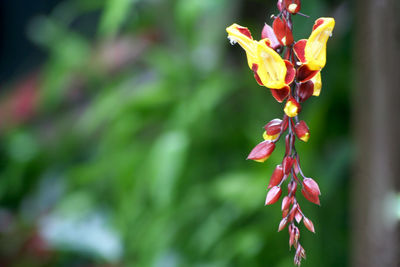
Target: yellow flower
(267, 65)
(315, 50)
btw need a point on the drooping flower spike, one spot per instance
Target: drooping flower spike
(295, 77)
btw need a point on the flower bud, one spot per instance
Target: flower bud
(292, 187)
(280, 5)
(276, 177)
(287, 164)
(305, 90)
(273, 195)
(298, 215)
(273, 127)
(285, 213)
(269, 137)
(268, 32)
(282, 224)
(292, 213)
(302, 131)
(292, 108)
(286, 202)
(262, 151)
(293, 6)
(309, 225)
(311, 191)
(311, 186)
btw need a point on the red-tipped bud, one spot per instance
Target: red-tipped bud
(292, 213)
(273, 127)
(287, 164)
(273, 195)
(302, 131)
(311, 191)
(289, 140)
(293, 6)
(298, 215)
(285, 212)
(276, 177)
(291, 235)
(305, 90)
(312, 198)
(309, 225)
(282, 224)
(268, 32)
(262, 151)
(311, 186)
(296, 166)
(280, 5)
(282, 31)
(285, 123)
(292, 187)
(286, 202)
(292, 107)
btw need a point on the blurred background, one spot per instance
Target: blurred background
(125, 125)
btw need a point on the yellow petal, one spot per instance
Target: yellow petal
(269, 137)
(317, 84)
(315, 50)
(241, 35)
(271, 67)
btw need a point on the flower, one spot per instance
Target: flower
(312, 51)
(270, 70)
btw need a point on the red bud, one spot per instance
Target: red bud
(286, 202)
(296, 166)
(285, 213)
(273, 195)
(282, 224)
(292, 213)
(262, 151)
(312, 198)
(293, 6)
(280, 5)
(273, 127)
(287, 164)
(298, 216)
(268, 32)
(311, 186)
(305, 90)
(309, 225)
(276, 177)
(302, 131)
(292, 187)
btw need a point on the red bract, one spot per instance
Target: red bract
(282, 31)
(262, 151)
(273, 195)
(280, 94)
(276, 177)
(268, 32)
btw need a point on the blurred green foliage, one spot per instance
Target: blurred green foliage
(135, 154)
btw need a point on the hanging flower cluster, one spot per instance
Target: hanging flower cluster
(295, 77)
